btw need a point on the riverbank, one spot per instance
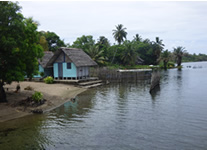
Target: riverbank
(55, 94)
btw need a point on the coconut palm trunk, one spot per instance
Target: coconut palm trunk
(179, 60)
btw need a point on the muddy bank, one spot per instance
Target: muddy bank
(55, 95)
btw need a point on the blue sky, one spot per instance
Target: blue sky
(176, 23)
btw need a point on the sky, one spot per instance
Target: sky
(177, 23)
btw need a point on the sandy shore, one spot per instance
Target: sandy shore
(55, 94)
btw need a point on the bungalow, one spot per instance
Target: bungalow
(70, 63)
(43, 67)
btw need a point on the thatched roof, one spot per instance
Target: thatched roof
(45, 59)
(77, 56)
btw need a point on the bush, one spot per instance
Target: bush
(179, 67)
(42, 74)
(48, 80)
(171, 64)
(37, 96)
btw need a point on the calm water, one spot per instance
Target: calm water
(122, 117)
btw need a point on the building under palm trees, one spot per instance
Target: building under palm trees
(71, 63)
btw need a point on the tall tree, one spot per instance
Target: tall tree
(103, 42)
(33, 51)
(179, 52)
(165, 57)
(84, 42)
(119, 33)
(43, 43)
(129, 55)
(18, 45)
(137, 38)
(96, 54)
(53, 40)
(158, 46)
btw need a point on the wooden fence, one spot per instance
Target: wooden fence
(115, 75)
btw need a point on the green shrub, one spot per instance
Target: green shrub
(37, 96)
(171, 64)
(179, 67)
(49, 80)
(42, 74)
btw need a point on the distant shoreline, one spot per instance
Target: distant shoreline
(55, 94)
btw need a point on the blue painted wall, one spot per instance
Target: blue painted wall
(69, 72)
(55, 70)
(41, 69)
(66, 72)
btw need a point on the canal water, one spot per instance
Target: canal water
(122, 117)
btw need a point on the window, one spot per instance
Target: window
(68, 65)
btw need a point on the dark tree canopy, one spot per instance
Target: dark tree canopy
(50, 41)
(84, 42)
(19, 50)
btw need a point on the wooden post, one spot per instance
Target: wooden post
(155, 80)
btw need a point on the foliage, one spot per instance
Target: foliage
(129, 54)
(49, 80)
(193, 57)
(37, 96)
(170, 64)
(52, 40)
(96, 54)
(33, 50)
(158, 47)
(137, 38)
(84, 42)
(179, 52)
(103, 42)
(165, 57)
(119, 33)
(42, 74)
(43, 42)
(18, 39)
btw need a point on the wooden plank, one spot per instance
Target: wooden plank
(93, 85)
(89, 83)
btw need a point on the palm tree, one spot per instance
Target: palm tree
(165, 57)
(96, 54)
(119, 33)
(137, 38)
(103, 41)
(179, 52)
(159, 46)
(129, 55)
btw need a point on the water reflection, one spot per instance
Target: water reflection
(155, 92)
(24, 133)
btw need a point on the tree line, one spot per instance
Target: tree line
(125, 52)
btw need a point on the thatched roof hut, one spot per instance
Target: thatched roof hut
(77, 56)
(45, 59)
(70, 63)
